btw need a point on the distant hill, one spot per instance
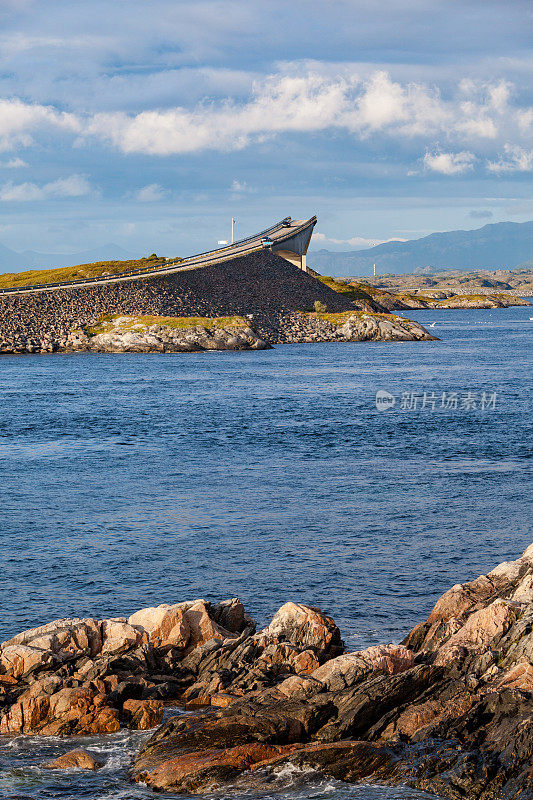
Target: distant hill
(11, 261)
(500, 245)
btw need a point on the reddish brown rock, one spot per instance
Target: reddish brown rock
(298, 686)
(305, 627)
(202, 626)
(454, 702)
(202, 701)
(510, 580)
(289, 656)
(350, 668)
(66, 638)
(518, 677)
(66, 712)
(478, 631)
(118, 635)
(206, 770)
(142, 714)
(182, 625)
(223, 699)
(75, 759)
(165, 624)
(425, 716)
(19, 660)
(345, 760)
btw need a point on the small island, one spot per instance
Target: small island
(249, 302)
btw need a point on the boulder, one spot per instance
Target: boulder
(351, 668)
(207, 770)
(182, 625)
(142, 714)
(202, 626)
(231, 616)
(480, 629)
(118, 635)
(303, 626)
(75, 759)
(66, 712)
(19, 660)
(57, 642)
(65, 638)
(164, 624)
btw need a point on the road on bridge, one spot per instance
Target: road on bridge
(288, 237)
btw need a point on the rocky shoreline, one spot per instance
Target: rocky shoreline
(449, 711)
(130, 334)
(441, 300)
(175, 335)
(381, 298)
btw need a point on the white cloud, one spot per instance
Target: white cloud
(449, 163)
(151, 193)
(525, 119)
(238, 187)
(73, 186)
(516, 159)
(312, 102)
(355, 241)
(13, 163)
(301, 100)
(19, 120)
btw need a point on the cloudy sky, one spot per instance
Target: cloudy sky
(151, 124)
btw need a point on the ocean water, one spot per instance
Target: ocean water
(132, 480)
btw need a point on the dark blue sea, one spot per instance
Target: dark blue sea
(133, 480)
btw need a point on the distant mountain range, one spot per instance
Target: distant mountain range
(503, 245)
(11, 261)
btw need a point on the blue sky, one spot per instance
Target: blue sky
(151, 124)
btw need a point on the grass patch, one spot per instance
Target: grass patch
(340, 317)
(38, 277)
(106, 323)
(351, 291)
(475, 297)
(409, 296)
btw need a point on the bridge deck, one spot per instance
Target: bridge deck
(280, 234)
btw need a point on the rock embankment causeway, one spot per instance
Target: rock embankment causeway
(448, 711)
(262, 287)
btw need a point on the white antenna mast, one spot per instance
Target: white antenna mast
(374, 269)
(233, 222)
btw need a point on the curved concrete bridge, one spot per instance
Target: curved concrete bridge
(288, 238)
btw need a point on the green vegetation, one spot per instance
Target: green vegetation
(320, 307)
(109, 322)
(476, 298)
(357, 291)
(409, 296)
(351, 291)
(473, 297)
(340, 317)
(36, 277)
